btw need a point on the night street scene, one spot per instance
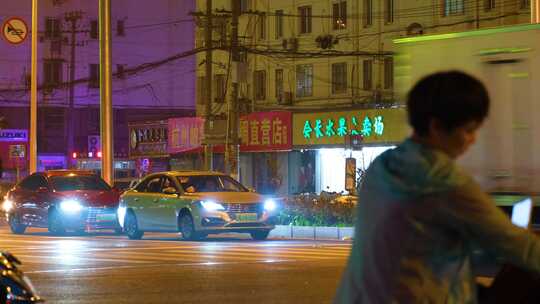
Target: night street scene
(269, 151)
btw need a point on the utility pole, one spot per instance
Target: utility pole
(73, 18)
(33, 90)
(105, 91)
(208, 150)
(231, 149)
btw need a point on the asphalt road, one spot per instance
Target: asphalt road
(108, 268)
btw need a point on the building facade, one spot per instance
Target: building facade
(153, 70)
(319, 56)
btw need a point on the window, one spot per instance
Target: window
(368, 71)
(388, 11)
(279, 83)
(94, 30)
(339, 15)
(262, 27)
(244, 6)
(388, 73)
(219, 82)
(93, 76)
(120, 71)
(339, 77)
(33, 182)
(304, 80)
(305, 19)
(52, 72)
(279, 24)
(489, 5)
(260, 85)
(201, 89)
(120, 28)
(453, 7)
(525, 4)
(368, 13)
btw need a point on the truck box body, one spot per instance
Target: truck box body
(506, 156)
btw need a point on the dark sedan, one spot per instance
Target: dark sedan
(62, 200)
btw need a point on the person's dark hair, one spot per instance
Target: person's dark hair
(454, 98)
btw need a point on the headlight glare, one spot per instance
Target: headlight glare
(7, 205)
(70, 206)
(270, 205)
(212, 206)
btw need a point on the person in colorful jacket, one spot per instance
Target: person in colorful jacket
(420, 214)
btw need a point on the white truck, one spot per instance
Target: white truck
(506, 157)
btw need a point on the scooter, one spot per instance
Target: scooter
(15, 287)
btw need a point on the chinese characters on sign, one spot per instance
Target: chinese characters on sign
(330, 128)
(185, 134)
(265, 131)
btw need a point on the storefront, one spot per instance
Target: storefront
(323, 141)
(13, 154)
(148, 146)
(265, 140)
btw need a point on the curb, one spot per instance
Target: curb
(312, 232)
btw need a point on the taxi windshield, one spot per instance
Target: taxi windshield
(210, 183)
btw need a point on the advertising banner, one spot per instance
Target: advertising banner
(368, 126)
(185, 134)
(148, 139)
(266, 131)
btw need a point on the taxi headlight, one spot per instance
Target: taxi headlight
(212, 206)
(70, 206)
(270, 205)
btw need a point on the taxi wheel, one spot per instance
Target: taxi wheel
(260, 235)
(15, 224)
(56, 226)
(131, 227)
(186, 226)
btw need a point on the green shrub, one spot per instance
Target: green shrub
(317, 210)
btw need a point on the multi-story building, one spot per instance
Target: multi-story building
(153, 76)
(318, 56)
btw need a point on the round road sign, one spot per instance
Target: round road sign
(14, 30)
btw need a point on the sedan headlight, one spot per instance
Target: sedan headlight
(270, 205)
(212, 206)
(70, 206)
(7, 205)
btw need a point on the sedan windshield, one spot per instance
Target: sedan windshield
(210, 183)
(79, 182)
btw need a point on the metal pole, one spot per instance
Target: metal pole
(33, 90)
(535, 11)
(105, 89)
(208, 151)
(231, 153)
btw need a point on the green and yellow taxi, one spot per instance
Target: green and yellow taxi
(194, 203)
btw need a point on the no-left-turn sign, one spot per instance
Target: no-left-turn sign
(14, 30)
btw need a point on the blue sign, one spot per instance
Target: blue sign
(11, 135)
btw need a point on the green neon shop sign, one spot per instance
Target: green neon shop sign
(367, 127)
